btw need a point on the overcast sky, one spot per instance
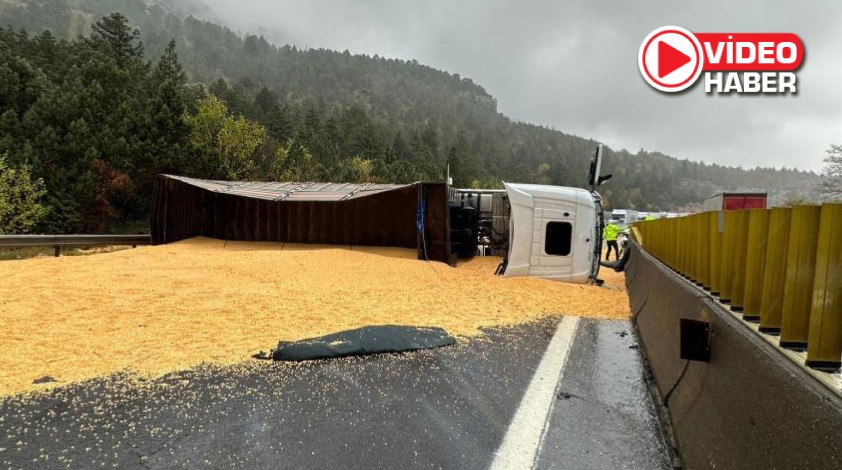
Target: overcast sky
(572, 65)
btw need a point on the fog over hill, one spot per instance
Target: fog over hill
(572, 64)
(320, 114)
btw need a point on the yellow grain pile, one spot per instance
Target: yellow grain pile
(157, 309)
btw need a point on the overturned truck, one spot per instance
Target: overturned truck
(544, 231)
(409, 216)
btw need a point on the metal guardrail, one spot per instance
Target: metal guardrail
(60, 241)
(780, 268)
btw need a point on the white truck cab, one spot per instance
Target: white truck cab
(554, 232)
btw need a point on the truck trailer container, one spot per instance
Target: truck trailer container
(735, 200)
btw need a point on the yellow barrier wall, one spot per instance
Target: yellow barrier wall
(755, 262)
(714, 262)
(704, 250)
(800, 271)
(824, 345)
(738, 260)
(774, 274)
(726, 267)
(781, 267)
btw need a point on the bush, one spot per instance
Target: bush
(20, 197)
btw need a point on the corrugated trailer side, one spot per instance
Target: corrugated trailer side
(181, 210)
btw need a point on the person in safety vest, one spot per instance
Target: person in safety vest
(610, 234)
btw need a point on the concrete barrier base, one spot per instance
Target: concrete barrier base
(750, 406)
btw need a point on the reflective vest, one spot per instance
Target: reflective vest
(611, 232)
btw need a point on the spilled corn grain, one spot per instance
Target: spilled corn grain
(157, 309)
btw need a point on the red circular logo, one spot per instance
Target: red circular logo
(670, 59)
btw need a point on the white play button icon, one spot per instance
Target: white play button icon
(670, 59)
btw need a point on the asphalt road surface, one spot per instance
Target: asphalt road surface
(447, 408)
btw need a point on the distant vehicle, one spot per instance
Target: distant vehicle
(735, 200)
(624, 217)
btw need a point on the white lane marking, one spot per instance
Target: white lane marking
(523, 438)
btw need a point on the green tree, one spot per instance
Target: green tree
(294, 163)
(20, 198)
(831, 186)
(168, 130)
(124, 41)
(281, 125)
(265, 103)
(464, 165)
(357, 170)
(225, 145)
(238, 142)
(397, 172)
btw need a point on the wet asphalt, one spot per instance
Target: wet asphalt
(443, 408)
(603, 416)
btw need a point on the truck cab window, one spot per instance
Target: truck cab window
(558, 238)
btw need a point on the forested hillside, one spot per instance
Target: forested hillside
(94, 109)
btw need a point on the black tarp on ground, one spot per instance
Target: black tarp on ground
(362, 342)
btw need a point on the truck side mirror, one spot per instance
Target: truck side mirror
(594, 179)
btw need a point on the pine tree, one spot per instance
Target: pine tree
(169, 68)
(124, 41)
(168, 130)
(266, 102)
(281, 126)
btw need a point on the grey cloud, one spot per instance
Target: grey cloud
(572, 65)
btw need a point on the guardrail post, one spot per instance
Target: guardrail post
(726, 276)
(738, 261)
(824, 345)
(715, 252)
(800, 273)
(687, 245)
(704, 250)
(686, 236)
(679, 232)
(674, 245)
(774, 276)
(758, 232)
(696, 244)
(57, 251)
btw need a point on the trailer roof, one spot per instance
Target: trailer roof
(739, 193)
(290, 191)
